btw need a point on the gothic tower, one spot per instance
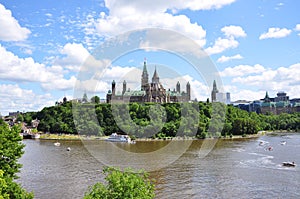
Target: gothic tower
(178, 87)
(124, 87)
(113, 88)
(155, 78)
(144, 82)
(267, 98)
(188, 91)
(214, 92)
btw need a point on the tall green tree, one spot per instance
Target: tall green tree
(11, 149)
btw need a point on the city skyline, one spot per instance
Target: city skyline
(254, 47)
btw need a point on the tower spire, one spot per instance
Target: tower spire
(155, 78)
(144, 79)
(214, 92)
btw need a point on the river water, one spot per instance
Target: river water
(242, 168)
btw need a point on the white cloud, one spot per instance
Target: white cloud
(16, 69)
(242, 70)
(275, 33)
(221, 45)
(114, 25)
(297, 28)
(75, 57)
(281, 79)
(138, 14)
(10, 27)
(158, 39)
(223, 58)
(13, 98)
(245, 94)
(119, 7)
(233, 31)
(60, 84)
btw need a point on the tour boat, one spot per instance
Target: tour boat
(289, 164)
(114, 137)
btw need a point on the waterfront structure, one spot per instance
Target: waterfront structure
(217, 96)
(279, 104)
(152, 91)
(276, 105)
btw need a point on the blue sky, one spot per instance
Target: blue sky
(254, 45)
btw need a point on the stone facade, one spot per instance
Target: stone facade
(152, 91)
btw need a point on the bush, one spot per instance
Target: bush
(122, 185)
(11, 149)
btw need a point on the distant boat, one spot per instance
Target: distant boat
(289, 164)
(270, 148)
(56, 144)
(114, 137)
(283, 142)
(262, 143)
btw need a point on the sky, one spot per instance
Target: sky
(47, 47)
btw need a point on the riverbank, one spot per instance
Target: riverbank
(70, 137)
(84, 137)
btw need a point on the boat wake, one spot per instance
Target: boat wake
(261, 161)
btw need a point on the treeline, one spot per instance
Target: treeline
(199, 119)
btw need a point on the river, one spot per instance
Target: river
(239, 168)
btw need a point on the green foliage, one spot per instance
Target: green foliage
(11, 149)
(95, 100)
(122, 185)
(201, 119)
(3, 186)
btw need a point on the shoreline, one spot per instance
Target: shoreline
(84, 137)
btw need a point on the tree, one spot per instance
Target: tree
(11, 149)
(20, 118)
(95, 99)
(122, 185)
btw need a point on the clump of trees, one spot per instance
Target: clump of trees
(11, 149)
(168, 120)
(125, 184)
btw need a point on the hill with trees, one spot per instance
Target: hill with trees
(199, 119)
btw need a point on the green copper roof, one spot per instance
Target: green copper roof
(134, 93)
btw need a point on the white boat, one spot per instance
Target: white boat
(289, 164)
(114, 137)
(283, 142)
(56, 144)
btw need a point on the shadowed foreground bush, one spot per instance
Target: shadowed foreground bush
(122, 185)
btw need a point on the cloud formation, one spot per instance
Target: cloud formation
(229, 42)
(275, 33)
(13, 97)
(261, 78)
(242, 70)
(223, 58)
(10, 27)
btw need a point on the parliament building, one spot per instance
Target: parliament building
(150, 91)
